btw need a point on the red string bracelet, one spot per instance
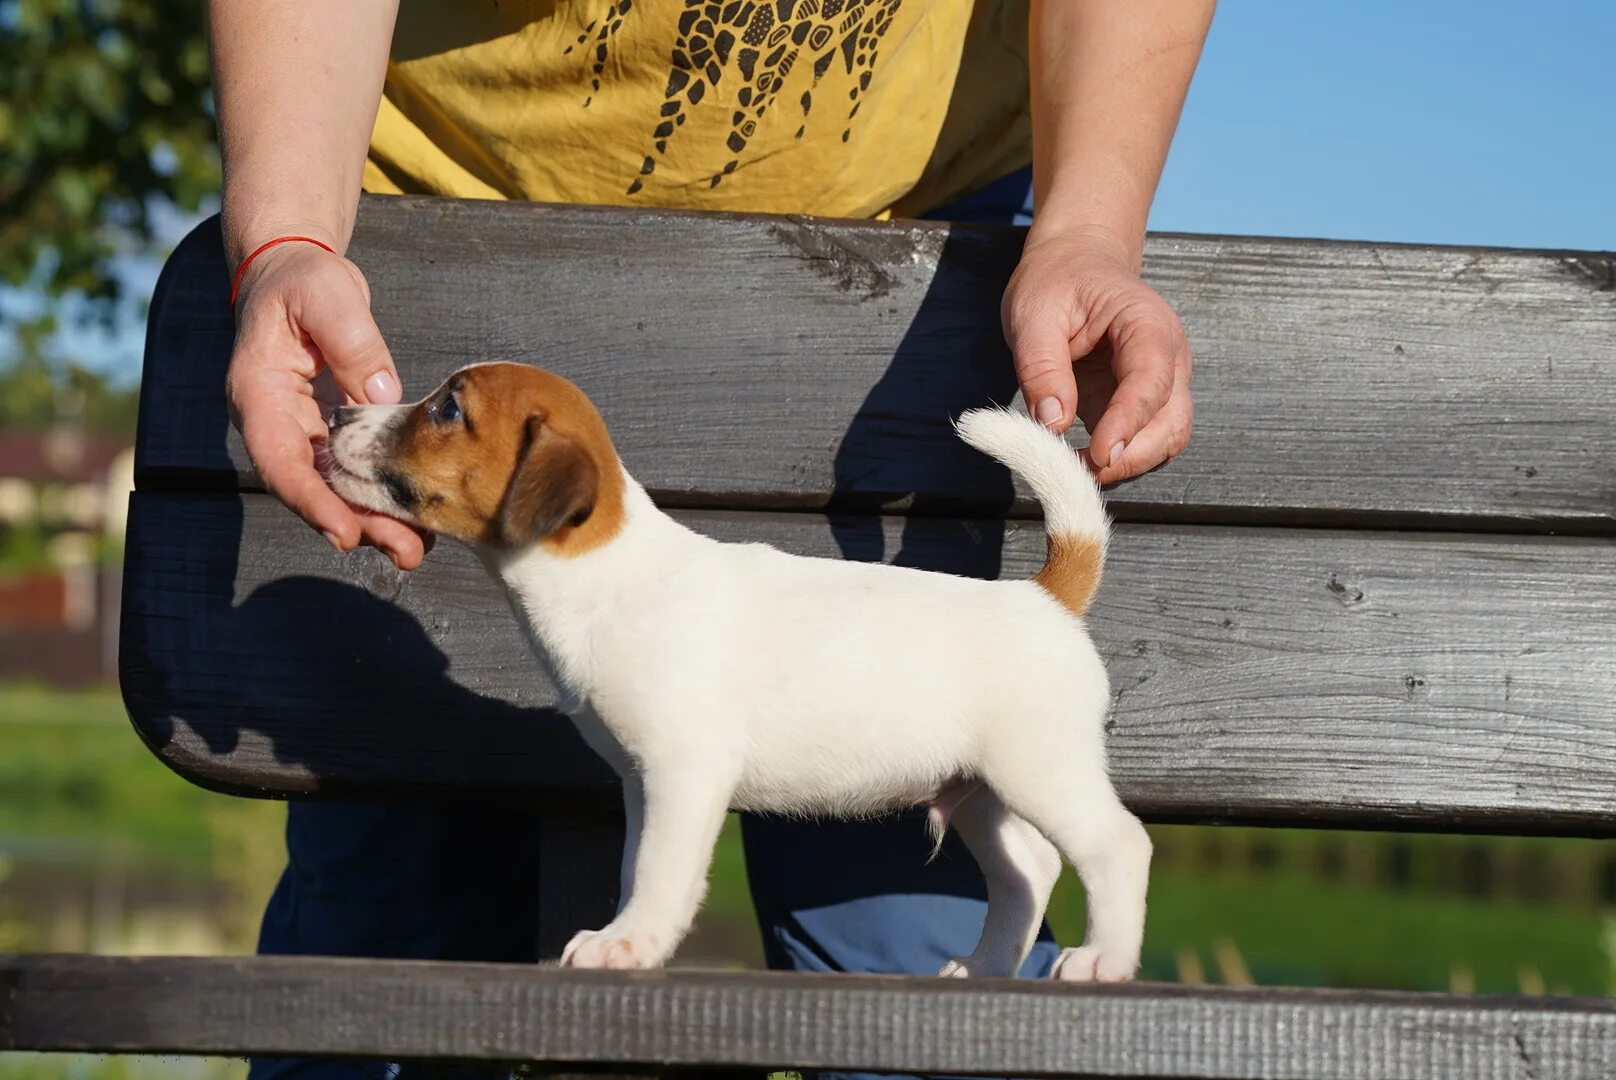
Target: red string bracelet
(235, 282)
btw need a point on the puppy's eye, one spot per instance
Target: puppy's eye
(448, 410)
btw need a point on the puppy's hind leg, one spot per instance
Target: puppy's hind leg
(1064, 791)
(1020, 867)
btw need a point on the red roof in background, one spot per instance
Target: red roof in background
(62, 456)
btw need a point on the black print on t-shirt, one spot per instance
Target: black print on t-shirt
(755, 43)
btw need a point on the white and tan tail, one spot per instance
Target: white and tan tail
(1074, 513)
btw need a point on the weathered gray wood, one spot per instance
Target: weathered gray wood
(1267, 675)
(782, 362)
(407, 1009)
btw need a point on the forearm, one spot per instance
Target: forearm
(297, 84)
(1108, 83)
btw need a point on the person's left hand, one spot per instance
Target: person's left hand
(1076, 312)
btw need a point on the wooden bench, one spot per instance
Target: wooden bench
(1379, 591)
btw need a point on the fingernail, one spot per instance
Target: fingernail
(331, 538)
(382, 389)
(1048, 412)
(1116, 451)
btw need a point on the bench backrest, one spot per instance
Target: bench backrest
(1380, 588)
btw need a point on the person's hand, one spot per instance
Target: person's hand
(302, 310)
(1091, 339)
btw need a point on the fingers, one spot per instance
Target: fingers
(1159, 441)
(304, 491)
(278, 443)
(1146, 349)
(304, 307)
(280, 449)
(398, 541)
(1096, 383)
(333, 308)
(1043, 359)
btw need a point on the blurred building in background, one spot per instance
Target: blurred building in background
(64, 500)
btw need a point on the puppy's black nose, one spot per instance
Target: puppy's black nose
(341, 416)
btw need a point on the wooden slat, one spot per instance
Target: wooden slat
(410, 1009)
(780, 362)
(1267, 675)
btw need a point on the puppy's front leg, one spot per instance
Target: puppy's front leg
(684, 808)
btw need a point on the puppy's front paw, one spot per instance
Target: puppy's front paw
(615, 947)
(1093, 963)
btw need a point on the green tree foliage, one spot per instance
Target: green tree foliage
(36, 393)
(105, 114)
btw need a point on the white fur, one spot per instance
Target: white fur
(724, 676)
(1069, 496)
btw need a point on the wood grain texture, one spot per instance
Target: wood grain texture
(411, 1009)
(1260, 674)
(782, 362)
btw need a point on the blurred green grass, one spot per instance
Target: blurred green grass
(75, 778)
(1293, 931)
(110, 1067)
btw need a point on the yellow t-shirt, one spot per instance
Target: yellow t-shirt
(846, 108)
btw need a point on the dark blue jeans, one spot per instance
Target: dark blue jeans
(458, 882)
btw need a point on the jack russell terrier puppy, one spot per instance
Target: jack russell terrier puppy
(719, 676)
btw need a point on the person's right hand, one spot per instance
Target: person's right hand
(301, 310)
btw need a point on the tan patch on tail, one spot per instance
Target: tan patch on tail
(1071, 573)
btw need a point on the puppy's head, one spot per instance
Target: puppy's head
(501, 456)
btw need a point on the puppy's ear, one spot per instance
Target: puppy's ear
(555, 485)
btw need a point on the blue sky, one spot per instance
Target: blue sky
(1426, 121)
(1429, 121)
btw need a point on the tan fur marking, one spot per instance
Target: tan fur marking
(1071, 573)
(462, 471)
